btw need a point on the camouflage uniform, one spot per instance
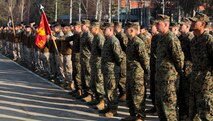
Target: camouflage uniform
(97, 83)
(146, 37)
(184, 84)
(123, 42)
(137, 65)
(55, 58)
(111, 59)
(201, 90)
(76, 60)
(44, 55)
(85, 53)
(66, 63)
(169, 61)
(16, 46)
(154, 41)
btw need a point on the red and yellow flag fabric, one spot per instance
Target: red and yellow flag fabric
(43, 31)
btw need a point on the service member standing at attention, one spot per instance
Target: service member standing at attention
(58, 36)
(184, 85)
(85, 53)
(169, 63)
(137, 67)
(97, 82)
(66, 51)
(110, 63)
(123, 42)
(201, 93)
(155, 38)
(76, 59)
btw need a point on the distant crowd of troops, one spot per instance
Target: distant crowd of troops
(103, 64)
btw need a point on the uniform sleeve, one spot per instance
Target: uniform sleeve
(143, 56)
(210, 49)
(117, 52)
(101, 42)
(90, 39)
(177, 54)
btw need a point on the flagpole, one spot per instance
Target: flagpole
(55, 45)
(11, 13)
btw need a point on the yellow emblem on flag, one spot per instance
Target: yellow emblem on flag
(41, 31)
(41, 43)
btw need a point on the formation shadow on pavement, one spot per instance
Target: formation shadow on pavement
(27, 97)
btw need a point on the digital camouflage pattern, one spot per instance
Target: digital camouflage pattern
(184, 84)
(169, 62)
(85, 53)
(111, 59)
(97, 82)
(137, 65)
(154, 41)
(123, 39)
(201, 90)
(76, 60)
(146, 37)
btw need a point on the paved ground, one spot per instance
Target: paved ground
(24, 96)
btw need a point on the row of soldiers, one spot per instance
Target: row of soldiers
(105, 63)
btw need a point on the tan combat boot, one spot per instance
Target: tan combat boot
(88, 98)
(100, 105)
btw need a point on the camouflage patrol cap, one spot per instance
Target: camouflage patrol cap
(106, 25)
(76, 23)
(200, 17)
(56, 24)
(161, 17)
(95, 24)
(132, 25)
(27, 26)
(86, 22)
(174, 24)
(65, 24)
(116, 23)
(185, 21)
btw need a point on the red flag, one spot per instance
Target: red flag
(43, 31)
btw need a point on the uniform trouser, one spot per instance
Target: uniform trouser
(77, 71)
(16, 51)
(136, 92)
(65, 67)
(22, 51)
(166, 97)
(30, 57)
(201, 96)
(7, 47)
(1, 43)
(26, 54)
(38, 59)
(4, 46)
(122, 82)
(111, 80)
(152, 84)
(53, 64)
(10, 49)
(97, 82)
(45, 57)
(85, 75)
(184, 92)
